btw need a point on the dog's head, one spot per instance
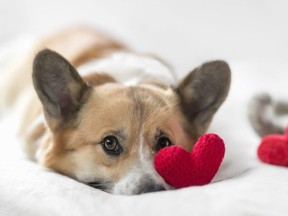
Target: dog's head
(106, 134)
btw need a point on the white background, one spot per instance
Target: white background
(185, 32)
(252, 36)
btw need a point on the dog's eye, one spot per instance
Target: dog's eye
(111, 145)
(163, 142)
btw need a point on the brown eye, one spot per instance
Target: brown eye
(163, 142)
(111, 145)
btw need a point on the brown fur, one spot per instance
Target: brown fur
(96, 79)
(83, 141)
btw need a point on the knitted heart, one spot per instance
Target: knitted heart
(180, 168)
(273, 149)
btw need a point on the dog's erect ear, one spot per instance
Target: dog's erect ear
(202, 92)
(59, 87)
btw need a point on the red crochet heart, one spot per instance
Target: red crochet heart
(180, 168)
(273, 149)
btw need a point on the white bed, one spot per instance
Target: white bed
(253, 37)
(243, 185)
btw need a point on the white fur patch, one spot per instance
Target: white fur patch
(129, 68)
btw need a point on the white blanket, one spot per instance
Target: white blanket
(243, 185)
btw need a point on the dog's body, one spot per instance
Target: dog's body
(105, 128)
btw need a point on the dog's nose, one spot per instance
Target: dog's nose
(151, 188)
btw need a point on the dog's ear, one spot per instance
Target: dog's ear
(59, 87)
(202, 92)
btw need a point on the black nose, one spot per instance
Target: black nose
(151, 188)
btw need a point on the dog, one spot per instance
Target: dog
(98, 112)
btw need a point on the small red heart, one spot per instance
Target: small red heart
(273, 149)
(180, 168)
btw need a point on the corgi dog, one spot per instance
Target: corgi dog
(98, 112)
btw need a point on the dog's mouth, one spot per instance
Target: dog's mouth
(100, 185)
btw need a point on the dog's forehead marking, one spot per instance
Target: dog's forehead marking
(147, 102)
(145, 159)
(141, 148)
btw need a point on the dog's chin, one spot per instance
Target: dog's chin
(133, 184)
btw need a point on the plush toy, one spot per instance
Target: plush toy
(273, 149)
(180, 168)
(265, 115)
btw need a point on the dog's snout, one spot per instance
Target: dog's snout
(151, 188)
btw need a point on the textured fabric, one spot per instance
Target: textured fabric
(181, 169)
